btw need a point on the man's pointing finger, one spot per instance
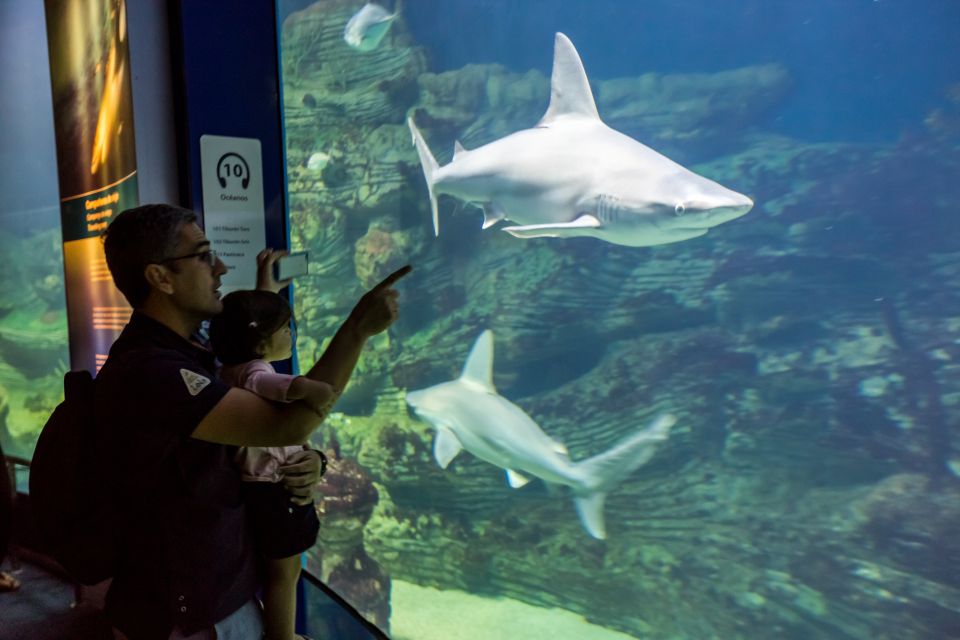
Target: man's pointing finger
(393, 277)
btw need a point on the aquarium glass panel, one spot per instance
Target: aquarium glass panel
(679, 357)
(33, 324)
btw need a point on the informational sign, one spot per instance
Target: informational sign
(96, 162)
(233, 212)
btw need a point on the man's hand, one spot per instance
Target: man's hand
(265, 261)
(301, 474)
(378, 308)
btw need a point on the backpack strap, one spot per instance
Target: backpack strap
(75, 384)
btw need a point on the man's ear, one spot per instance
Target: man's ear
(159, 278)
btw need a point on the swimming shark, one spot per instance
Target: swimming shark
(572, 175)
(468, 413)
(367, 27)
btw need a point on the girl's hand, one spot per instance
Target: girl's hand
(265, 261)
(317, 395)
(301, 473)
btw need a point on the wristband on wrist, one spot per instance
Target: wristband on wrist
(323, 461)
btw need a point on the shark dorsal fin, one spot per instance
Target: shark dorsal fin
(478, 370)
(570, 94)
(458, 149)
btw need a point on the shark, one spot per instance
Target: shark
(468, 414)
(367, 27)
(572, 175)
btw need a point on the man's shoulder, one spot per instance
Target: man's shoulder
(161, 372)
(159, 390)
(147, 360)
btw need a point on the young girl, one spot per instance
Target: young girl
(253, 330)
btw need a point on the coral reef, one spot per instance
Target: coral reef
(347, 501)
(33, 336)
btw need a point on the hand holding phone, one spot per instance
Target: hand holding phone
(290, 266)
(270, 275)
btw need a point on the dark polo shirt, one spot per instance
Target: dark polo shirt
(185, 552)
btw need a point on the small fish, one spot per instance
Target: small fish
(318, 161)
(368, 26)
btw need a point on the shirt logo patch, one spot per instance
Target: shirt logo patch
(194, 381)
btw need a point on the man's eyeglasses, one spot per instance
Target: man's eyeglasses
(208, 256)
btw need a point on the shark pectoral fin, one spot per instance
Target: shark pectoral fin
(446, 447)
(492, 214)
(579, 227)
(590, 509)
(515, 479)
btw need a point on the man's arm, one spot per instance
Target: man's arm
(245, 419)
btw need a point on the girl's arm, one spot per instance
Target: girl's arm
(318, 395)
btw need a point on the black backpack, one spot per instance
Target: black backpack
(69, 497)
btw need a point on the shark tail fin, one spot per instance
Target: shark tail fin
(590, 510)
(604, 471)
(430, 167)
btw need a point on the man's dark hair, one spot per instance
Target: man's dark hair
(140, 236)
(248, 320)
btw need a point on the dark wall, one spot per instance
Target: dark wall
(226, 83)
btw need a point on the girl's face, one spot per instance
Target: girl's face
(279, 345)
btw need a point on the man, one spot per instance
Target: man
(170, 428)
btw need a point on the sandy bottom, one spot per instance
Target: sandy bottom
(424, 613)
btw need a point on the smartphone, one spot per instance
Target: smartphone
(291, 266)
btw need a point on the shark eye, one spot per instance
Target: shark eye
(679, 210)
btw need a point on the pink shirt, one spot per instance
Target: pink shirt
(259, 464)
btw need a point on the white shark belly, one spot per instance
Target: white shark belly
(497, 431)
(556, 174)
(535, 176)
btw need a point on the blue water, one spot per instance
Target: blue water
(864, 70)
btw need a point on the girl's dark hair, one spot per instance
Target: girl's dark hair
(248, 320)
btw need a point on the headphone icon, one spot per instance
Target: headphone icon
(233, 170)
